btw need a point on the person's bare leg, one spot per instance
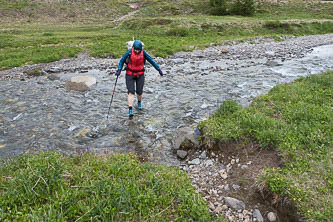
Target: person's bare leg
(130, 99)
(139, 97)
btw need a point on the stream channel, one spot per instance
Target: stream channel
(41, 114)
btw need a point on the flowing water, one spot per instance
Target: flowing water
(40, 114)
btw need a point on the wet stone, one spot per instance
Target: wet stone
(54, 69)
(181, 154)
(80, 83)
(53, 77)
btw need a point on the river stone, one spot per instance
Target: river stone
(83, 133)
(194, 162)
(234, 203)
(54, 69)
(271, 216)
(185, 139)
(80, 83)
(258, 216)
(53, 77)
(182, 154)
(235, 187)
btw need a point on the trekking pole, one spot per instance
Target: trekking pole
(114, 89)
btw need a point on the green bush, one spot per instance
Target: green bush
(227, 108)
(229, 7)
(243, 7)
(219, 7)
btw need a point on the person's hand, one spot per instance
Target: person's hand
(118, 72)
(161, 73)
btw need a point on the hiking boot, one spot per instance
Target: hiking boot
(130, 112)
(139, 105)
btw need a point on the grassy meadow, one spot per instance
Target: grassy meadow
(48, 32)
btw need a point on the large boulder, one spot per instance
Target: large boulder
(185, 139)
(80, 83)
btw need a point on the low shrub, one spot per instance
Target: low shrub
(178, 31)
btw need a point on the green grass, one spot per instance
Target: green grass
(52, 187)
(165, 27)
(297, 120)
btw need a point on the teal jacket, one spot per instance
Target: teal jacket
(146, 56)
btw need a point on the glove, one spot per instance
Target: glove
(161, 73)
(118, 72)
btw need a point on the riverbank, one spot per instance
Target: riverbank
(294, 121)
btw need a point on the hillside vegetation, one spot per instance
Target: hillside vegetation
(44, 31)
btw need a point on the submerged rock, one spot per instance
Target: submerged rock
(185, 139)
(80, 83)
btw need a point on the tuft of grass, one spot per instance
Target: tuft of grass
(276, 25)
(52, 187)
(34, 72)
(297, 120)
(179, 32)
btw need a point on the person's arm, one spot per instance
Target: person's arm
(123, 59)
(151, 60)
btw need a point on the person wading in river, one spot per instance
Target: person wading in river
(135, 59)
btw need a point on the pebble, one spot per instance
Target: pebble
(257, 215)
(182, 154)
(195, 161)
(234, 203)
(271, 216)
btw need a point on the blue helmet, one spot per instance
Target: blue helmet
(137, 44)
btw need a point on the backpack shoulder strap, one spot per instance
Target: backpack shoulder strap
(128, 59)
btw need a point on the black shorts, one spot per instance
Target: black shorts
(139, 82)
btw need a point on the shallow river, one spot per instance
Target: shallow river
(40, 114)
